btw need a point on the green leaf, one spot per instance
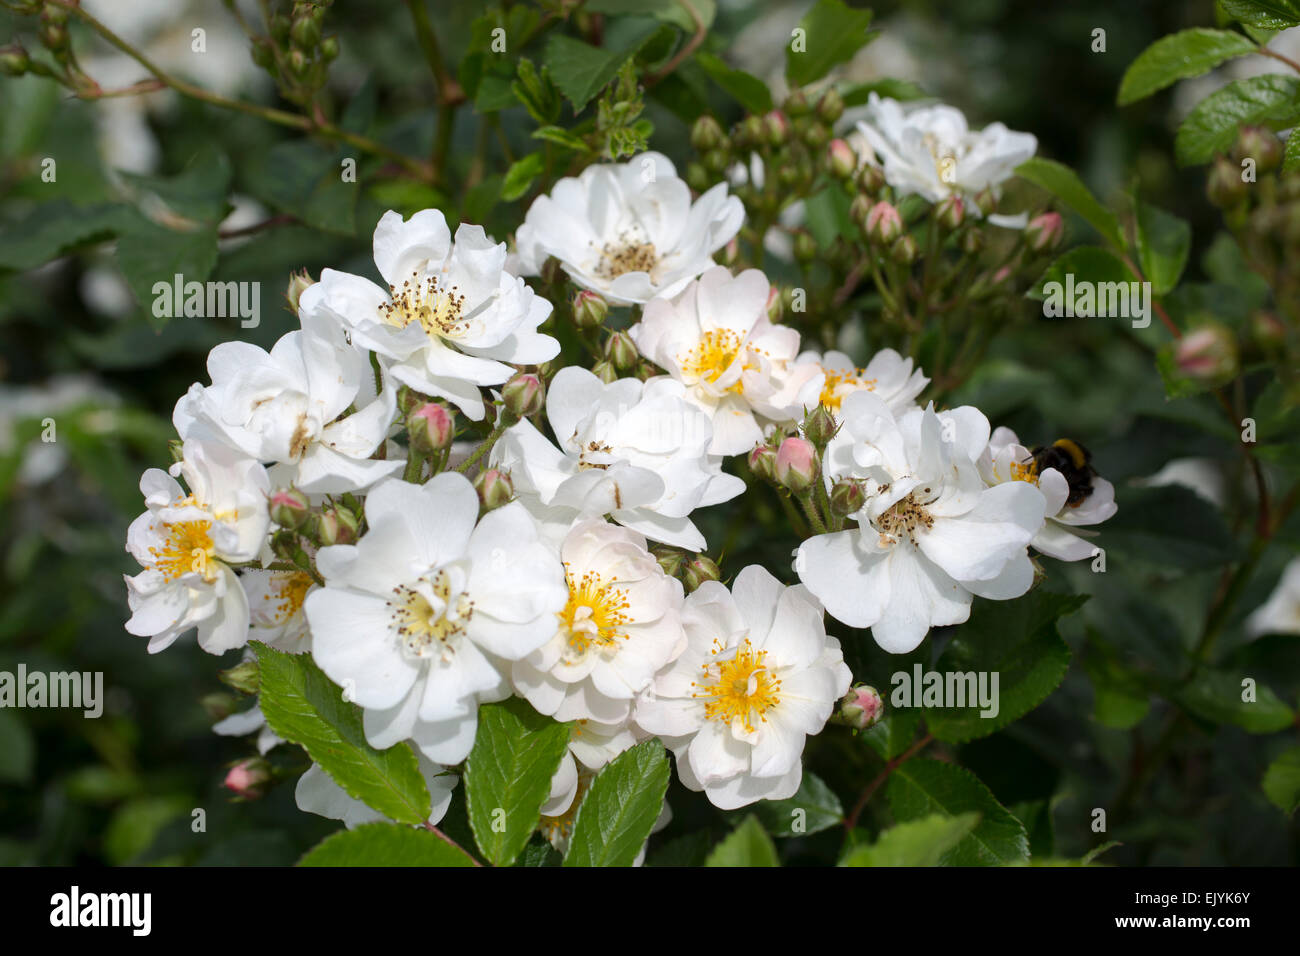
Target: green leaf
(1291, 157)
(921, 842)
(813, 808)
(617, 814)
(747, 845)
(901, 90)
(17, 749)
(669, 11)
(1269, 14)
(520, 176)
(1088, 858)
(920, 788)
(301, 178)
(831, 33)
(384, 844)
(562, 137)
(1065, 184)
(55, 228)
(1282, 781)
(580, 70)
(827, 215)
(148, 254)
(508, 776)
(1271, 100)
(1087, 264)
(1170, 526)
(198, 193)
(1164, 242)
(538, 853)
(1177, 57)
(1016, 640)
(745, 88)
(1120, 700)
(1217, 696)
(305, 707)
(894, 733)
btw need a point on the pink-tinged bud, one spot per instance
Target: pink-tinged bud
(776, 128)
(1045, 231)
(523, 396)
(1224, 186)
(494, 489)
(861, 707)
(847, 497)
(884, 224)
(819, 426)
(1260, 144)
(775, 305)
(248, 778)
(796, 464)
(762, 462)
(986, 201)
(299, 282)
(289, 508)
(589, 310)
(1002, 275)
(336, 526)
(699, 569)
(871, 179)
(1267, 330)
(950, 213)
(904, 250)
(841, 161)
(620, 351)
(430, 428)
(1207, 354)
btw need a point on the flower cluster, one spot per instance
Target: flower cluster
(546, 546)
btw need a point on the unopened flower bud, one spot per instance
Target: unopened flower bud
(775, 305)
(986, 201)
(248, 778)
(831, 106)
(305, 32)
(861, 707)
(750, 131)
(245, 677)
(329, 48)
(1207, 354)
(904, 251)
(796, 104)
(670, 559)
(1267, 330)
(176, 448)
(796, 466)
(819, 426)
(841, 161)
(871, 179)
(972, 242)
(805, 246)
(14, 60)
(523, 396)
(707, 134)
(408, 400)
(1260, 144)
(847, 497)
(698, 569)
(883, 224)
(776, 128)
(494, 489)
(1045, 231)
(697, 177)
(289, 508)
(1224, 187)
(430, 427)
(299, 282)
(220, 705)
(336, 526)
(762, 462)
(716, 160)
(552, 271)
(950, 213)
(816, 136)
(621, 352)
(605, 371)
(284, 545)
(589, 310)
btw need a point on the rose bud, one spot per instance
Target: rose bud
(248, 778)
(847, 497)
(883, 224)
(289, 508)
(1045, 231)
(796, 464)
(494, 489)
(699, 569)
(430, 428)
(523, 395)
(589, 310)
(861, 707)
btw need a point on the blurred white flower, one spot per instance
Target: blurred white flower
(715, 338)
(1280, 614)
(635, 451)
(628, 230)
(888, 375)
(452, 316)
(759, 675)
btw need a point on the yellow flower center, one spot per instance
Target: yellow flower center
(841, 382)
(626, 255)
(904, 519)
(739, 688)
(595, 613)
(188, 547)
(711, 358)
(1027, 471)
(557, 829)
(288, 590)
(425, 627)
(438, 310)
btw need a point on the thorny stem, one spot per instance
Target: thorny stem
(852, 819)
(497, 431)
(687, 49)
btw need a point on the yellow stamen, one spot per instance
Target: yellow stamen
(738, 688)
(595, 613)
(188, 547)
(438, 310)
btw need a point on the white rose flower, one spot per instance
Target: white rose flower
(275, 608)
(287, 406)
(628, 231)
(187, 542)
(716, 339)
(418, 619)
(1280, 614)
(591, 746)
(635, 451)
(621, 624)
(451, 316)
(888, 375)
(316, 792)
(758, 676)
(931, 534)
(246, 722)
(1064, 535)
(930, 151)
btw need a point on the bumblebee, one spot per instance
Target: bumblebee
(1073, 461)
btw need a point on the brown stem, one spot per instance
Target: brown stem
(687, 49)
(450, 842)
(852, 819)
